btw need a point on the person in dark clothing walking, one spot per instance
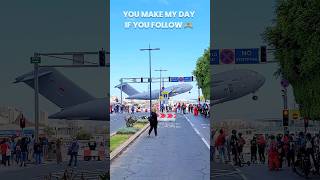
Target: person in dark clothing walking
(24, 151)
(73, 152)
(254, 149)
(153, 119)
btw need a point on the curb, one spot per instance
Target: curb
(113, 134)
(123, 146)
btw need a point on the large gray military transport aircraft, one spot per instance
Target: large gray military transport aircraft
(75, 103)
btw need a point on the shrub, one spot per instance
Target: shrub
(127, 130)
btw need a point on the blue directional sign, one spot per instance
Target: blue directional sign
(214, 56)
(181, 79)
(247, 56)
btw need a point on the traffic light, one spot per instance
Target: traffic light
(102, 58)
(285, 115)
(263, 54)
(22, 122)
(306, 122)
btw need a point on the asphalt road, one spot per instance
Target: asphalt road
(178, 152)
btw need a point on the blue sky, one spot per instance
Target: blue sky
(180, 48)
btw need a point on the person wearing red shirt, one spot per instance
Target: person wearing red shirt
(220, 144)
(4, 148)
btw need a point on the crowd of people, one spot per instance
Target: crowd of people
(180, 107)
(20, 151)
(196, 109)
(277, 151)
(118, 108)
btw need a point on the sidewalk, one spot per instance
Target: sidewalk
(32, 171)
(223, 171)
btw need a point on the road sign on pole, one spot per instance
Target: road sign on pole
(214, 56)
(35, 60)
(247, 56)
(181, 79)
(227, 56)
(284, 83)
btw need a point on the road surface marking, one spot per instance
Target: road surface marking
(196, 130)
(241, 174)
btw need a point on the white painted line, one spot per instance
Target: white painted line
(241, 174)
(205, 142)
(196, 130)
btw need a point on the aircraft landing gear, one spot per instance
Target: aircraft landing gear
(254, 97)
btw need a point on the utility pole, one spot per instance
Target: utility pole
(36, 60)
(150, 79)
(160, 70)
(121, 84)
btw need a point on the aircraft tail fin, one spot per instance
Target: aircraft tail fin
(56, 87)
(126, 88)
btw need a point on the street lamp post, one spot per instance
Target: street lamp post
(150, 79)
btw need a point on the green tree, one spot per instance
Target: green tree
(202, 73)
(49, 131)
(83, 135)
(295, 36)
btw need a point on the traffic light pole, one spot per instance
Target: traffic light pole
(285, 107)
(36, 100)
